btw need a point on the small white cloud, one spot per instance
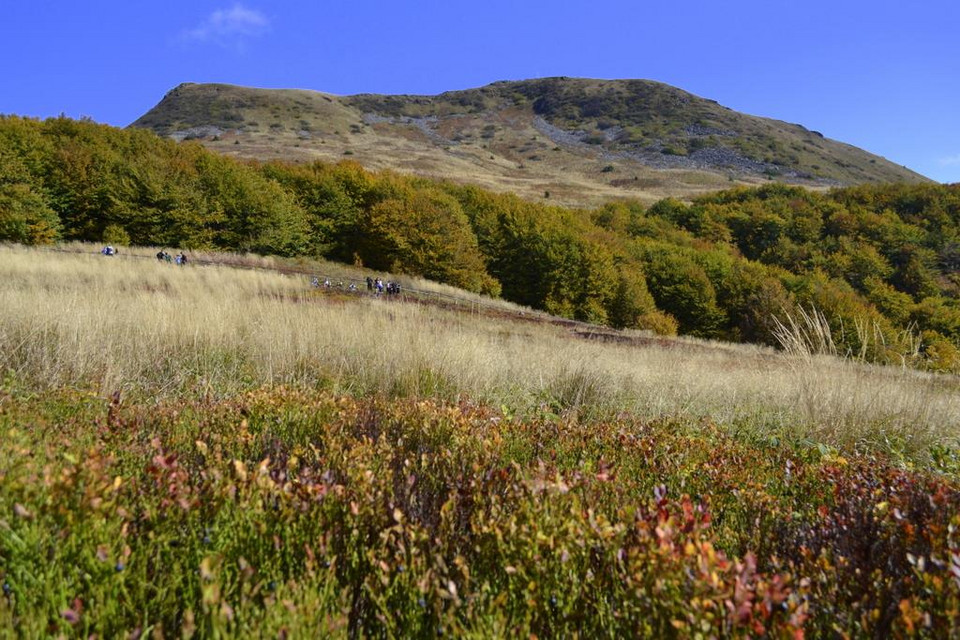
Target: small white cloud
(229, 27)
(950, 160)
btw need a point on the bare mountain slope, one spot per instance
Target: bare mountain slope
(576, 141)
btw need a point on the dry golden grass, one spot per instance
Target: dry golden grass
(572, 178)
(141, 326)
(312, 267)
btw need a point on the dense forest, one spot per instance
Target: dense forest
(881, 263)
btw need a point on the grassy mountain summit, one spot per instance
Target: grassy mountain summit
(577, 141)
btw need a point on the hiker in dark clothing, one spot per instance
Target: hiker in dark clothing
(369, 283)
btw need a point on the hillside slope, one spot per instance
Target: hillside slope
(575, 141)
(881, 263)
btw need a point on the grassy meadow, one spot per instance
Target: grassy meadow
(218, 452)
(142, 326)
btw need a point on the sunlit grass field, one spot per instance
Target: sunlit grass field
(216, 452)
(116, 324)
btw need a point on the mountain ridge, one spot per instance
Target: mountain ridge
(578, 141)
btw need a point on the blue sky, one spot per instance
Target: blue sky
(881, 75)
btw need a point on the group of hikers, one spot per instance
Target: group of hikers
(375, 286)
(326, 284)
(163, 256)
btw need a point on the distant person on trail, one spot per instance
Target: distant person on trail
(369, 283)
(315, 283)
(108, 251)
(183, 259)
(160, 255)
(379, 286)
(179, 259)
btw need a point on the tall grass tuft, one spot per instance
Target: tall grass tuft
(805, 333)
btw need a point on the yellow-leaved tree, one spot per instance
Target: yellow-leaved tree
(424, 232)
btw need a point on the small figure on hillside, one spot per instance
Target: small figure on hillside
(326, 283)
(179, 259)
(183, 259)
(378, 283)
(315, 283)
(160, 255)
(352, 288)
(396, 288)
(167, 257)
(108, 251)
(369, 283)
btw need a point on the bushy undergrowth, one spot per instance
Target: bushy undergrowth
(282, 513)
